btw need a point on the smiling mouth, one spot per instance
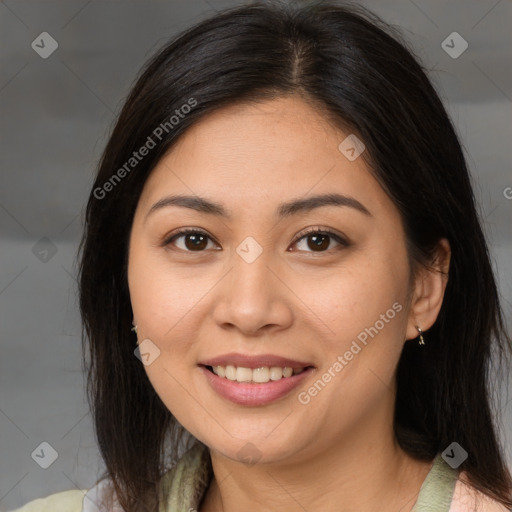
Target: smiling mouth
(260, 375)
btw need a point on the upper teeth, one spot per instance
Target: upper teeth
(260, 375)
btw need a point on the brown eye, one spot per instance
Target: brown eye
(195, 241)
(319, 241)
(190, 240)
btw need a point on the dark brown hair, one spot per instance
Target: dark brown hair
(358, 69)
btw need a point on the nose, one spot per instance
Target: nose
(253, 299)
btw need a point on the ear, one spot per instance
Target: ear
(428, 293)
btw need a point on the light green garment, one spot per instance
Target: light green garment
(436, 493)
(182, 488)
(66, 501)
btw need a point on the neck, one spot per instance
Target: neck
(364, 470)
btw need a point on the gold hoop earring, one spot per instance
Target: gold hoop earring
(421, 341)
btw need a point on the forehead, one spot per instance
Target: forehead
(250, 155)
(278, 132)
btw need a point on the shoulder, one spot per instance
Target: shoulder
(66, 501)
(181, 488)
(99, 498)
(467, 498)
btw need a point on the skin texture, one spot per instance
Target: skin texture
(338, 451)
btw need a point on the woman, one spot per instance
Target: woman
(284, 280)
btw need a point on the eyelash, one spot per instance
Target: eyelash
(308, 232)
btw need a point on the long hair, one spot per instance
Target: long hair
(359, 73)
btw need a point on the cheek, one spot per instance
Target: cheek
(161, 295)
(161, 303)
(364, 308)
(371, 323)
(353, 297)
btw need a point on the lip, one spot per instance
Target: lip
(254, 361)
(254, 394)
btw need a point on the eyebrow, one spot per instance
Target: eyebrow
(287, 209)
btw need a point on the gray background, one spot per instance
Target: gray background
(56, 113)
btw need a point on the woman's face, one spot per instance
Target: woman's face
(254, 283)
